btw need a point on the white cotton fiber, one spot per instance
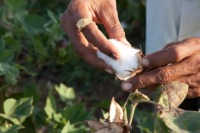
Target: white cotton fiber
(129, 62)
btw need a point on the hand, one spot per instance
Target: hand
(178, 61)
(91, 39)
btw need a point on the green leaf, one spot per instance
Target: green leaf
(171, 94)
(105, 114)
(10, 118)
(39, 48)
(30, 90)
(52, 16)
(181, 121)
(10, 73)
(160, 126)
(76, 113)
(6, 55)
(17, 5)
(34, 24)
(11, 129)
(11, 43)
(145, 120)
(137, 96)
(62, 52)
(69, 128)
(50, 107)
(19, 109)
(65, 93)
(58, 117)
(161, 97)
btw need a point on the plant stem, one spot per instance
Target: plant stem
(133, 107)
(125, 116)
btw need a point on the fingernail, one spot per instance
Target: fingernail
(145, 62)
(109, 71)
(126, 86)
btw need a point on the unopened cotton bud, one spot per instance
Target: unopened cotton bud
(129, 62)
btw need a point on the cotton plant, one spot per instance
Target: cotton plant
(167, 98)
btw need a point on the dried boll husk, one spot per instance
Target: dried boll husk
(115, 112)
(129, 63)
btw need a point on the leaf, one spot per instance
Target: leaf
(57, 117)
(33, 24)
(69, 128)
(181, 121)
(162, 98)
(137, 96)
(50, 107)
(17, 5)
(76, 113)
(52, 16)
(19, 109)
(6, 55)
(39, 48)
(145, 120)
(115, 112)
(62, 52)
(65, 93)
(12, 44)
(10, 118)
(105, 114)
(12, 129)
(171, 94)
(160, 126)
(10, 73)
(30, 90)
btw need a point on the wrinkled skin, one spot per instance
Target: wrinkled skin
(184, 57)
(91, 39)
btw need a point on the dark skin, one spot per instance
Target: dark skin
(185, 67)
(91, 39)
(183, 56)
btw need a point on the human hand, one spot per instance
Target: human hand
(90, 39)
(184, 65)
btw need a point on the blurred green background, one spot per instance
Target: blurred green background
(44, 85)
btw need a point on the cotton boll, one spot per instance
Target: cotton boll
(129, 62)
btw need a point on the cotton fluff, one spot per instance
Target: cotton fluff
(129, 62)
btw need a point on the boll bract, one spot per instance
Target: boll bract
(129, 63)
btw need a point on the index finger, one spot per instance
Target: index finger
(97, 38)
(173, 53)
(159, 75)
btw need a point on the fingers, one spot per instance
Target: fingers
(110, 20)
(193, 92)
(90, 31)
(112, 24)
(82, 47)
(192, 80)
(163, 74)
(96, 37)
(172, 53)
(147, 79)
